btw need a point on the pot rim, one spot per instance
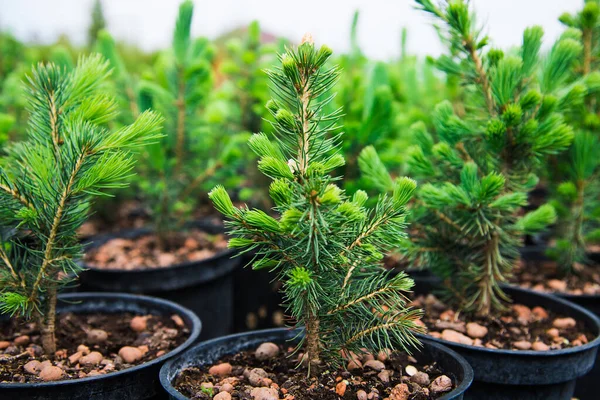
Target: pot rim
(89, 243)
(194, 333)
(461, 388)
(548, 353)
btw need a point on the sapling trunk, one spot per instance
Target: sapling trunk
(47, 322)
(313, 350)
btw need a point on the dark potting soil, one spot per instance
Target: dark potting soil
(87, 345)
(517, 328)
(144, 252)
(546, 276)
(281, 376)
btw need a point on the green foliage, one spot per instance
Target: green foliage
(176, 172)
(97, 23)
(479, 164)
(576, 193)
(325, 247)
(48, 181)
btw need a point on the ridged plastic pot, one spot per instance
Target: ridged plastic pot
(205, 286)
(526, 374)
(587, 386)
(136, 383)
(208, 352)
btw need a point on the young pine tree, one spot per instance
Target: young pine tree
(479, 167)
(577, 196)
(48, 181)
(97, 23)
(325, 247)
(175, 171)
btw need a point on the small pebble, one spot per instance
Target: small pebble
(340, 388)
(540, 346)
(553, 332)
(33, 367)
(375, 365)
(383, 355)
(22, 340)
(456, 337)
(257, 377)
(138, 323)
(421, 378)
(411, 370)
(74, 358)
(223, 369)
(361, 395)
(83, 349)
(93, 358)
(522, 345)
(264, 394)
(557, 285)
(178, 320)
(51, 373)
(266, 351)
(540, 312)
(441, 384)
(384, 376)
(476, 331)
(400, 392)
(4, 344)
(130, 354)
(564, 323)
(222, 396)
(96, 336)
(227, 387)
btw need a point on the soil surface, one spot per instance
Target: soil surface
(546, 276)
(271, 373)
(517, 328)
(144, 252)
(87, 345)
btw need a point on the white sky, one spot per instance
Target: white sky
(149, 23)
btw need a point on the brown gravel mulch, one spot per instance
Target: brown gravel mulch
(274, 374)
(144, 251)
(87, 345)
(517, 328)
(546, 276)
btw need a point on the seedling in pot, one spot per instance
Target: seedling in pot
(325, 247)
(48, 181)
(175, 173)
(576, 175)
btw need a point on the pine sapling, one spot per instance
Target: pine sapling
(577, 193)
(479, 166)
(325, 246)
(48, 181)
(175, 171)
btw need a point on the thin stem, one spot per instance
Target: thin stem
(482, 76)
(313, 347)
(180, 103)
(48, 326)
(17, 196)
(55, 226)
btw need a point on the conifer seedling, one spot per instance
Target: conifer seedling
(478, 167)
(48, 181)
(577, 195)
(175, 172)
(325, 246)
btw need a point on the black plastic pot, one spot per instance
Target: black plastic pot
(587, 386)
(205, 286)
(136, 383)
(209, 352)
(527, 375)
(257, 299)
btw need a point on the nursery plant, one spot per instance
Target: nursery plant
(175, 171)
(324, 245)
(577, 190)
(480, 166)
(48, 182)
